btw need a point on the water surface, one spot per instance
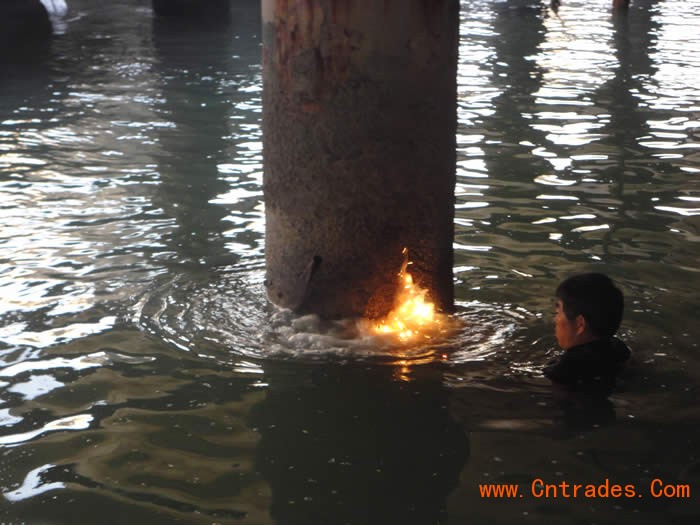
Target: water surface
(144, 378)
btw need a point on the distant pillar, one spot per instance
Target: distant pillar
(192, 8)
(22, 23)
(359, 127)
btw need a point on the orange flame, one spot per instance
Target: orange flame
(413, 314)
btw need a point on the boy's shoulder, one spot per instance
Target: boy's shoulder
(611, 350)
(589, 362)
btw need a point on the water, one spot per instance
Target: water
(145, 379)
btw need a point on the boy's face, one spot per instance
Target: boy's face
(565, 330)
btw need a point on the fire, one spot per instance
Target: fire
(413, 314)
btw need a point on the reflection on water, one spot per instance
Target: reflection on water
(352, 443)
(144, 376)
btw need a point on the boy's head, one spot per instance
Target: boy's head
(589, 307)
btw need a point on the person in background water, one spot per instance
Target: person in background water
(588, 313)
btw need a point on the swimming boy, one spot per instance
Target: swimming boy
(589, 312)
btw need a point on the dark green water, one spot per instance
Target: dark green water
(144, 378)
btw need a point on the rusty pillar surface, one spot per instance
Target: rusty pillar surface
(359, 127)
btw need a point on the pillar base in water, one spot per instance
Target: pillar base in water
(359, 126)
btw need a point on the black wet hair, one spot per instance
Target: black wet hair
(596, 298)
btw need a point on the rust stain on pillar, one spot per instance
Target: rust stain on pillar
(359, 126)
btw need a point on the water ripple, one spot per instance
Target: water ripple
(77, 422)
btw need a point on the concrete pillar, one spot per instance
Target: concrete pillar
(359, 126)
